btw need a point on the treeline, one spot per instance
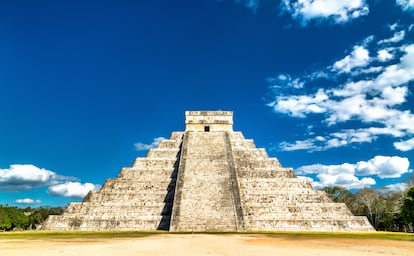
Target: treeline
(387, 210)
(14, 218)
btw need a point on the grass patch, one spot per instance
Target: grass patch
(138, 234)
(76, 234)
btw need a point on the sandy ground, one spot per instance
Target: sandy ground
(194, 245)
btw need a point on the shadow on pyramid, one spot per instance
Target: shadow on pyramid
(207, 178)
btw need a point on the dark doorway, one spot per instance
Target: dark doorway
(206, 128)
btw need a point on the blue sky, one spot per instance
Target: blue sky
(88, 86)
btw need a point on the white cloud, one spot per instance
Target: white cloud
(336, 175)
(383, 167)
(359, 57)
(398, 74)
(20, 177)
(405, 145)
(141, 146)
(336, 11)
(339, 138)
(384, 55)
(308, 144)
(284, 81)
(72, 189)
(393, 26)
(23, 177)
(373, 96)
(351, 176)
(334, 140)
(28, 201)
(406, 5)
(397, 187)
(397, 37)
(299, 106)
(368, 70)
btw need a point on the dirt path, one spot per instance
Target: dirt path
(210, 245)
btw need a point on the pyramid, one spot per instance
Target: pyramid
(207, 178)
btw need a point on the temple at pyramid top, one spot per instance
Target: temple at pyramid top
(208, 121)
(207, 178)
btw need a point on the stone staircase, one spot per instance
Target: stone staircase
(208, 178)
(204, 199)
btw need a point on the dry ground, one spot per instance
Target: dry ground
(197, 244)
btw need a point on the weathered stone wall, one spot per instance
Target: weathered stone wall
(208, 121)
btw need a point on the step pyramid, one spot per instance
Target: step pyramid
(207, 178)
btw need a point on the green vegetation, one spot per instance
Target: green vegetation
(407, 209)
(13, 218)
(36, 234)
(386, 210)
(137, 234)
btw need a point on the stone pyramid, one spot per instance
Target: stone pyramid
(207, 178)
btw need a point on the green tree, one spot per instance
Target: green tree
(5, 221)
(342, 195)
(39, 215)
(13, 218)
(391, 219)
(407, 209)
(24, 218)
(374, 204)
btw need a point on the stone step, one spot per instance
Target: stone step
(124, 205)
(108, 208)
(236, 136)
(122, 212)
(292, 202)
(265, 173)
(148, 174)
(133, 196)
(146, 163)
(142, 178)
(309, 225)
(132, 204)
(142, 223)
(121, 184)
(282, 194)
(300, 210)
(243, 144)
(252, 163)
(280, 199)
(163, 153)
(143, 218)
(176, 136)
(208, 227)
(170, 144)
(256, 153)
(258, 183)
